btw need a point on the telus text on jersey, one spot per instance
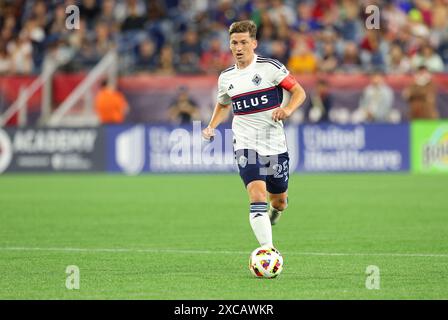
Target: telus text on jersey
(247, 103)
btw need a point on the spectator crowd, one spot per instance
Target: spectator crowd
(191, 36)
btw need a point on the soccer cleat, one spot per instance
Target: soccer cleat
(274, 215)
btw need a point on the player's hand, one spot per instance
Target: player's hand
(280, 114)
(208, 133)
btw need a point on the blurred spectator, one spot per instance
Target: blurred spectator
(35, 31)
(110, 104)
(166, 61)
(134, 19)
(190, 51)
(321, 102)
(351, 63)
(421, 96)
(394, 18)
(215, 59)
(280, 12)
(57, 23)
(78, 37)
(89, 10)
(10, 24)
(416, 23)
(5, 60)
(329, 60)
(258, 7)
(86, 56)
(377, 100)
(183, 110)
(280, 51)
(155, 11)
(123, 9)
(7, 32)
(20, 50)
(147, 56)
(350, 26)
(160, 28)
(328, 48)
(371, 51)
(107, 15)
(39, 13)
(223, 12)
(427, 57)
(266, 30)
(321, 8)
(424, 7)
(283, 32)
(103, 41)
(90, 47)
(407, 42)
(36, 35)
(439, 22)
(302, 59)
(439, 16)
(396, 61)
(305, 21)
(265, 34)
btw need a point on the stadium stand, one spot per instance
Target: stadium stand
(321, 38)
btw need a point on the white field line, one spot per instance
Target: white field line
(190, 251)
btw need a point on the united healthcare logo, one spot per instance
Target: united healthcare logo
(435, 150)
(5, 151)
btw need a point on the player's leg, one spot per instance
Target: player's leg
(258, 216)
(254, 180)
(278, 203)
(256, 191)
(277, 185)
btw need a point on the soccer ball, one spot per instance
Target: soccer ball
(266, 262)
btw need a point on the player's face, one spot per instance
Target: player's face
(242, 47)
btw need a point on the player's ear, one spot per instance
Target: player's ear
(255, 43)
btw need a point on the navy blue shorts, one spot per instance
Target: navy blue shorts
(274, 170)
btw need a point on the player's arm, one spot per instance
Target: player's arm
(221, 109)
(298, 96)
(219, 115)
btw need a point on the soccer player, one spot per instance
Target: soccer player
(257, 89)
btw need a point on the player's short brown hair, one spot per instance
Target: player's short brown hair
(244, 26)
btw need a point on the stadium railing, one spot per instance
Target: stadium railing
(20, 105)
(69, 112)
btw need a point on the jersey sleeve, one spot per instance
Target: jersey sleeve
(223, 98)
(278, 72)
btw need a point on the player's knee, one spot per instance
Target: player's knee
(280, 204)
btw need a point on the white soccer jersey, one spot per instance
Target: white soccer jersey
(254, 93)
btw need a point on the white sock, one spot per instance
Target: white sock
(260, 223)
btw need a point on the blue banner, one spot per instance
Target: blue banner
(354, 148)
(161, 148)
(312, 148)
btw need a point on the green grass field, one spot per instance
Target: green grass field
(188, 237)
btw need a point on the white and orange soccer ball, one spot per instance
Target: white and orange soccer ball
(266, 262)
